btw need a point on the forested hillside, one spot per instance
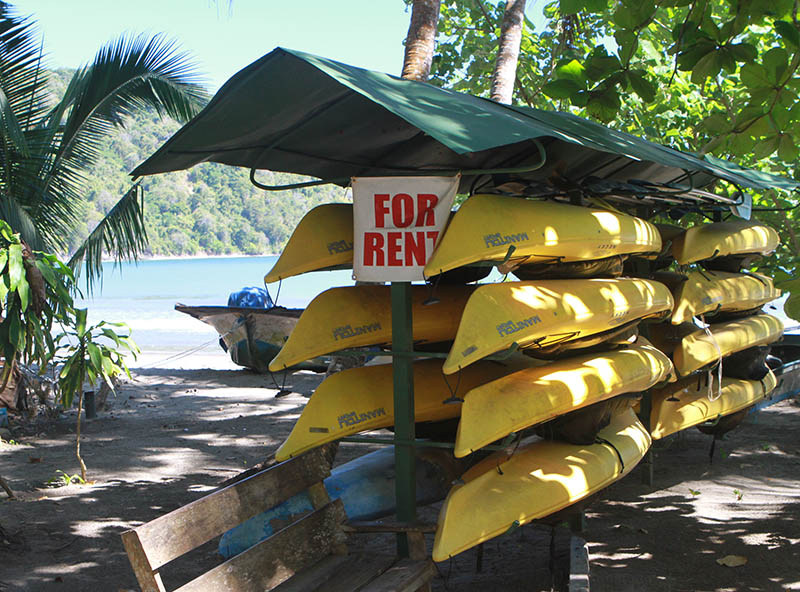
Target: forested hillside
(211, 208)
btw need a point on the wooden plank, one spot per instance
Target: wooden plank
(276, 559)
(148, 578)
(339, 573)
(407, 575)
(186, 528)
(387, 526)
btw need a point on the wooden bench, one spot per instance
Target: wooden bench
(309, 553)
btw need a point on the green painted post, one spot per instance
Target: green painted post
(403, 372)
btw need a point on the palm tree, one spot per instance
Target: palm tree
(505, 66)
(420, 39)
(47, 145)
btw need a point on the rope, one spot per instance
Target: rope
(192, 350)
(718, 367)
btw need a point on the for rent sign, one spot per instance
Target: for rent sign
(397, 223)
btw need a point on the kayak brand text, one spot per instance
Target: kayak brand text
(347, 331)
(498, 240)
(353, 418)
(510, 327)
(341, 246)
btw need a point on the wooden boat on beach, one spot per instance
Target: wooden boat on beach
(252, 336)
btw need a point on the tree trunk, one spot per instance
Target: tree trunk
(421, 39)
(505, 67)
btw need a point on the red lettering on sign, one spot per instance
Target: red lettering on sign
(415, 248)
(402, 210)
(381, 209)
(425, 204)
(373, 248)
(432, 236)
(392, 259)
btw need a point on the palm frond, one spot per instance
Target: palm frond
(126, 76)
(121, 233)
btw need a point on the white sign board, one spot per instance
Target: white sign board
(396, 225)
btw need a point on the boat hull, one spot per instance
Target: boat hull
(252, 336)
(486, 226)
(322, 240)
(685, 404)
(360, 316)
(718, 292)
(361, 399)
(697, 349)
(534, 395)
(541, 314)
(721, 239)
(536, 481)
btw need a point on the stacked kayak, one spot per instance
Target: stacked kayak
(717, 327)
(549, 365)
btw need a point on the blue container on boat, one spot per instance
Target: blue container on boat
(3, 417)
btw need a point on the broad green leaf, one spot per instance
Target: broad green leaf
(567, 7)
(788, 33)
(707, 67)
(787, 150)
(604, 105)
(641, 86)
(3, 259)
(23, 289)
(776, 60)
(574, 71)
(742, 52)
(624, 17)
(792, 305)
(95, 356)
(628, 42)
(16, 333)
(112, 336)
(766, 147)
(80, 322)
(717, 124)
(595, 5)
(16, 269)
(690, 55)
(4, 281)
(755, 76)
(560, 89)
(600, 65)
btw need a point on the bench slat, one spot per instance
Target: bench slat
(187, 528)
(407, 575)
(274, 560)
(339, 573)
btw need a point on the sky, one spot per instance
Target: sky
(226, 36)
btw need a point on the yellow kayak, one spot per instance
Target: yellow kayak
(685, 404)
(486, 226)
(540, 314)
(709, 291)
(322, 240)
(720, 239)
(698, 349)
(536, 481)
(359, 316)
(534, 395)
(360, 399)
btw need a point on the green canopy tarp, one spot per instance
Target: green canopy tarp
(295, 112)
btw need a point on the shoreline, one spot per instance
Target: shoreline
(189, 257)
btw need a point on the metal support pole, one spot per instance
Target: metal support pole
(403, 373)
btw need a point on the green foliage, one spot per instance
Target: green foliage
(706, 76)
(49, 145)
(62, 479)
(34, 293)
(91, 352)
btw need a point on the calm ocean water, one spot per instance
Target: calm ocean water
(143, 295)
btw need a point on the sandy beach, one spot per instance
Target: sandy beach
(173, 434)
